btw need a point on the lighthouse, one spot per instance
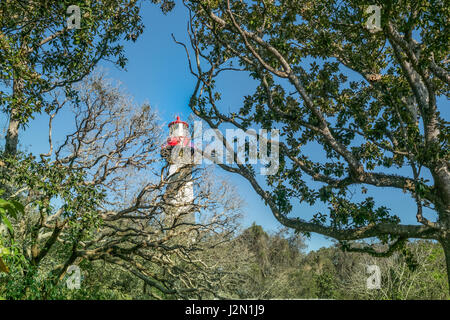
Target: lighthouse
(177, 151)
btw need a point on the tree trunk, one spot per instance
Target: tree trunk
(12, 136)
(445, 242)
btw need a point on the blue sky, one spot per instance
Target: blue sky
(157, 73)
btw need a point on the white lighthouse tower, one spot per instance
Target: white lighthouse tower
(178, 153)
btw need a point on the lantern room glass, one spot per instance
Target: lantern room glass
(179, 130)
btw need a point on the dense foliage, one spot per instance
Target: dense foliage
(259, 265)
(359, 109)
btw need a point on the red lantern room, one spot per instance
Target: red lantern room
(178, 128)
(178, 135)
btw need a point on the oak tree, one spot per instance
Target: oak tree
(40, 50)
(370, 98)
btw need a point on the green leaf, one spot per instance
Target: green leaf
(20, 208)
(8, 224)
(12, 207)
